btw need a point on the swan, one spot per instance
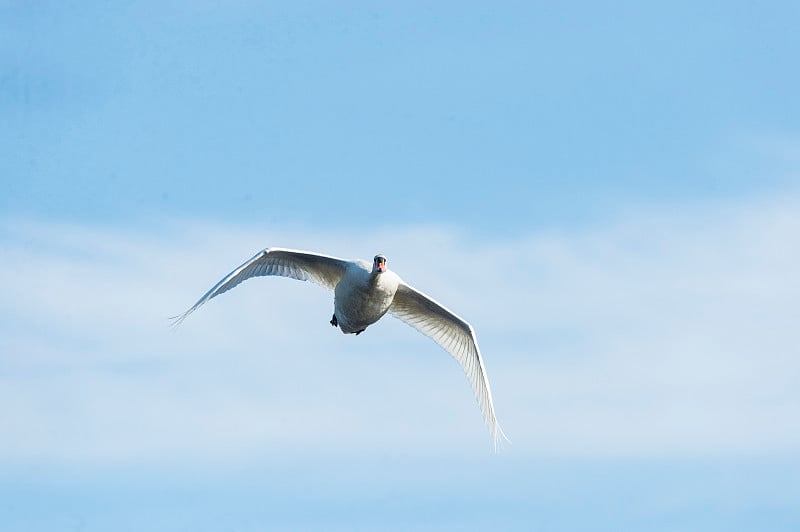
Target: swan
(363, 293)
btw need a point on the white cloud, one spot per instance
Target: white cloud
(664, 333)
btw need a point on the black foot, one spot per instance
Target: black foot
(334, 321)
(362, 330)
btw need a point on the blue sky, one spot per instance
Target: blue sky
(609, 193)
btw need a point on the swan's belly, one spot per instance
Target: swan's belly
(360, 304)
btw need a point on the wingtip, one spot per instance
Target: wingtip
(176, 321)
(499, 439)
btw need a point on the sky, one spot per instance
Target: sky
(610, 194)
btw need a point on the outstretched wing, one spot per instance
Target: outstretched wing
(456, 336)
(323, 270)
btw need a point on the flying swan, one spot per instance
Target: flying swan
(362, 295)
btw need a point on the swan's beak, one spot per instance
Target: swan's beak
(381, 266)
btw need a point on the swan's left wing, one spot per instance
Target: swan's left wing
(321, 269)
(456, 336)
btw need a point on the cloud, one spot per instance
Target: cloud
(661, 333)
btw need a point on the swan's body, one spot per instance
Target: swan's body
(362, 295)
(361, 298)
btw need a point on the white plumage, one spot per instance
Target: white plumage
(362, 295)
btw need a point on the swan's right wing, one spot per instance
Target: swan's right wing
(323, 270)
(455, 336)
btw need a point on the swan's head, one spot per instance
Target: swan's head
(379, 264)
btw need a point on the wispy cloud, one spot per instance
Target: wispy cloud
(663, 333)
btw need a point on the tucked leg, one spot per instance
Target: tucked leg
(334, 321)
(362, 330)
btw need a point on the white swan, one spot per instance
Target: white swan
(362, 295)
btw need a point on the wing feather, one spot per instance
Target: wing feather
(455, 336)
(323, 270)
